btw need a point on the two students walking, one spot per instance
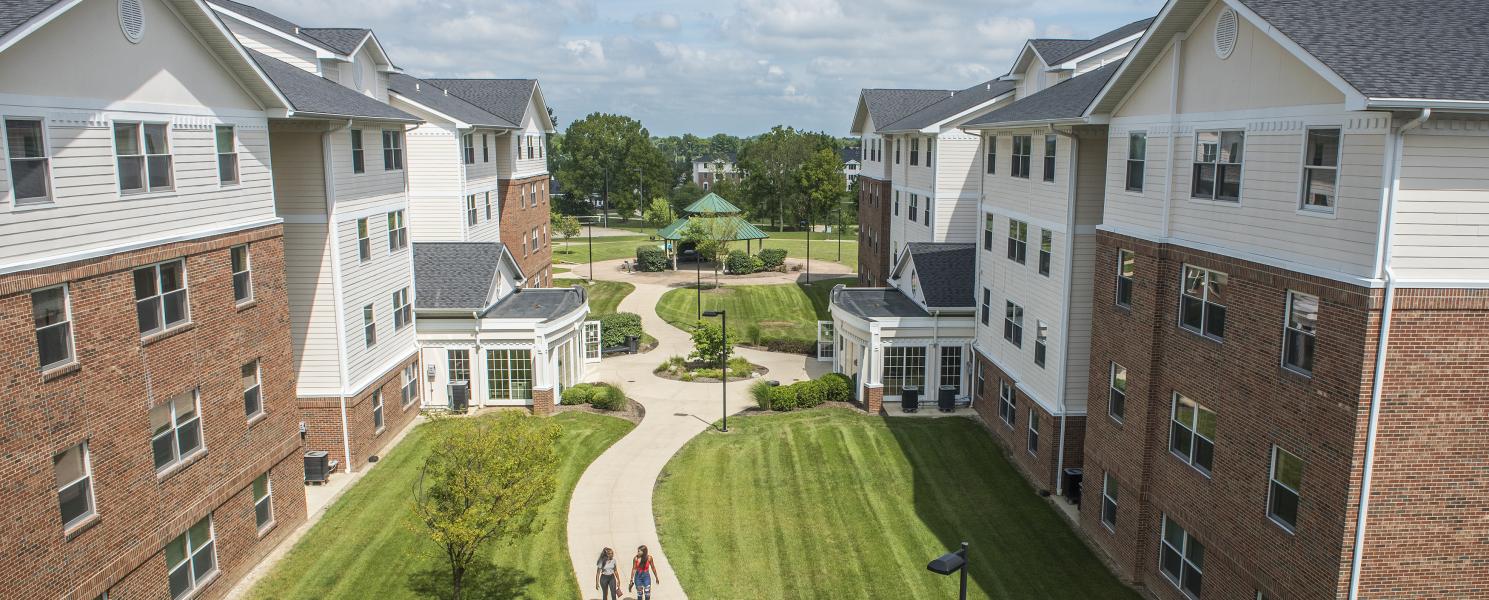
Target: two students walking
(643, 574)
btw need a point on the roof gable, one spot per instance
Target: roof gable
(510, 99)
(1067, 100)
(945, 273)
(457, 275)
(316, 96)
(437, 100)
(890, 105)
(959, 104)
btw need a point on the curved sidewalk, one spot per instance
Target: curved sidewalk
(611, 505)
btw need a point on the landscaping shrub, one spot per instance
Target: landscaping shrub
(785, 344)
(579, 393)
(650, 259)
(709, 343)
(783, 398)
(740, 367)
(615, 327)
(772, 258)
(810, 393)
(837, 387)
(740, 262)
(760, 391)
(603, 396)
(675, 365)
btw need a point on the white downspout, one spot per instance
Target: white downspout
(1065, 305)
(333, 240)
(934, 375)
(1377, 380)
(1173, 125)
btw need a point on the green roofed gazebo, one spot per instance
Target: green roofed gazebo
(712, 204)
(710, 210)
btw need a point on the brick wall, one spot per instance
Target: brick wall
(322, 418)
(873, 223)
(543, 402)
(518, 218)
(1040, 467)
(105, 400)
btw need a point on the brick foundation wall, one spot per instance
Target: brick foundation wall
(105, 400)
(873, 399)
(873, 224)
(1039, 467)
(543, 402)
(518, 218)
(322, 418)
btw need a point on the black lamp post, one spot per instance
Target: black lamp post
(809, 248)
(698, 270)
(724, 363)
(952, 562)
(591, 249)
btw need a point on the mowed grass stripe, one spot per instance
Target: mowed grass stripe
(837, 504)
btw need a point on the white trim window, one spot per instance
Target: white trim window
(51, 314)
(177, 427)
(377, 410)
(1217, 165)
(1018, 241)
(1283, 493)
(1007, 402)
(1126, 270)
(914, 151)
(485, 148)
(227, 153)
(471, 215)
(951, 367)
(410, 388)
(1301, 332)
(904, 366)
(987, 305)
(253, 399)
(1046, 251)
(488, 206)
(142, 154)
(1110, 490)
(263, 502)
(403, 312)
(369, 326)
(1049, 157)
(509, 375)
(1023, 147)
(191, 558)
(74, 474)
(160, 296)
(30, 166)
(991, 144)
(1182, 558)
(468, 148)
(1041, 342)
(1116, 397)
(397, 231)
(988, 226)
(1033, 437)
(1321, 170)
(242, 274)
(1137, 160)
(359, 153)
(930, 150)
(1202, 302)
(392, 150)
(364, 241)
(914, 207)
(1013, 323)
(1192, 433)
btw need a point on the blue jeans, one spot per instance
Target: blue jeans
(642, 581)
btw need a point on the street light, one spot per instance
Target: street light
(952, 562)
(698, 270)
(724, 365)
(591, 249)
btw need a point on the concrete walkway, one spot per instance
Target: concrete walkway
(611, 505)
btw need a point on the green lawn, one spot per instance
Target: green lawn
(757, 312)
(837, 504)
(824, 247)
(368, 546)
(606, 248)
(604, 296)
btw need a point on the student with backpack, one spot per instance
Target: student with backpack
(643, 572)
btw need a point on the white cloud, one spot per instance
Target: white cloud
(659, 21)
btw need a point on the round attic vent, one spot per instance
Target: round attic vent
(1226, 28)
(132, 20)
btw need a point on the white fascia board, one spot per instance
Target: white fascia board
(1142, 42)
(405, 99)
(36, 22)
(935, 128)
(1070, 65)
(859, 115)
(242, 53)
(1435, 103)
(320, 52)
(542, 117)
(1352, 96)
(1022, 124)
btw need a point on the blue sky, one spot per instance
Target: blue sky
(736, 67)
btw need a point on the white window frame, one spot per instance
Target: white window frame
(255, 391)
(1303, 204)
(144, 156)
(1013, 324)
(506, 370)
(1019, 167)
(359, 151)
(1051, 150)
(1204, 299)
(364, 240)
(1291, 329)
(1018, 241)
(488, 206)
(1137, 161)
(1122, 276)
(409, 390)
(45, 159)
(85, 480)
(246, 274)
(914, 206)
(949, 370)
(397, 231)
(232, 153)
(468, 149)
(485, 148)
(379, 423)
(266, 501)
(1109, 487)
(174, 431)
(472, 216)
(1007, 402)
(1272, 489)
(65, 324)
(369, 325)
(1032, 437)
(1041, 342)
(991, 168)
(1196, 163)
(1187, 455)
(1046, 251)
(159, 298)
(403, 312)
(901, 361)
(1113, 391)
(989, 229)
(987, 307)
(189, 560)
(1183, 553)
(392, 149)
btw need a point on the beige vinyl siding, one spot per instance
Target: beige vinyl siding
(1103, 59)
(312, 308)
(486, 230)
(272, 45)
(1259, 73)
(1034, 197)
(1137, 212)
(1040, 298)
(436, 206)
(534, 123)
(299, 176)
(1154, 91)
(1091, 174)
(480, 174)
(1078, 343)
(375, 186)
(372, 282)
(919, 177)
(1442, 215)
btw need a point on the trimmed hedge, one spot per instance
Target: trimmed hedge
(740, 262)
(772, 258)
(602, 396)
(615, 327)
(650, 259)
(833, 387)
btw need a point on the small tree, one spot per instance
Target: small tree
(709, 344)
(484, 479)
(710, 238)
(565, 225)
(658, 214)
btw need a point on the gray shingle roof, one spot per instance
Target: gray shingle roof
(341, 39)
(1052, 50)
(454, 275)
(15, 13)
(1421, 49)
(945, 272)
(434, 97)
(887, 106)
(851, 154)
(877, 303)
(1093, 44)
(271, 20)
(537, 303)
(953, 105)
(316, 95)
(505, 98)
(1065, 100)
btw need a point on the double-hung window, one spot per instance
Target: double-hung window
(242, 274)
(377, 410)
(177, 427)
(253, 399)
(485, 148)
(914, 207)
(992, 154)
(896, 203)
(896, 152)
(1041, 342)
(1321, 170)
(1283, 494)
(987, 305)
(51, 313)
(1018, 241)
(1217, 165)
(1192, 434)
(468, 148)
(392, 150)
(930, 150)
(359, 156)
(263, 502)
(1007, 402)
(987, 231)
(1023, 146)
(74, 475)
(143, 157)
(1182, 558)
(1046, 250)
(1049, 157)
(1033, 436)
(1109, 493)
(397, 232)
(160, 296)
(1116, 396)
(904, 366)
(1126, 269)
(227, 154)
(914, 151)
(1137, 160)
(364, 240)
(403, 312)
(471, 216)
(1202, 302)
(1302, 329)
(1013, 324)
(369, 326)
(191, 558)
(410, 389)
(30, 167)
(488, 206)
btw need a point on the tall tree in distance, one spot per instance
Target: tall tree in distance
(771, 163)
(612, 156)
(822, 184)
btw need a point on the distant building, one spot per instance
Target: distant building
(712, 168)
(851, 164)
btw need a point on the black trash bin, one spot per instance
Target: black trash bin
(1072, 485)
(910, 399)
(633, 344)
